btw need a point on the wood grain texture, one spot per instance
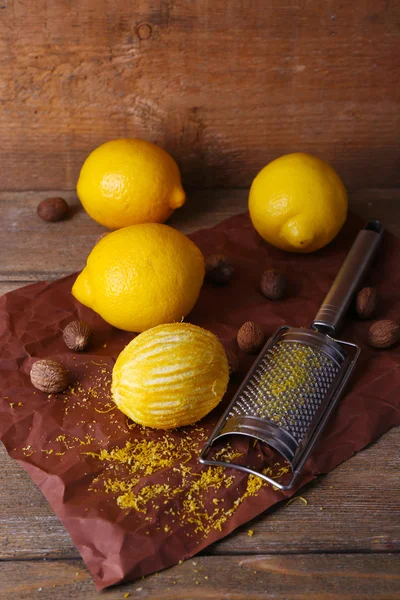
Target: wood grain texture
(25, 239)
(301, 577)
(350, 549)
(224, 86)
(346, 512)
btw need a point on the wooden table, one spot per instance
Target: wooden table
(345, 543)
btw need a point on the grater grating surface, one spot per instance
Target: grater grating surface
(288, 386)
(287, 397)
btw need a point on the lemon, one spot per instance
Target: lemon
(141, 276)
(298, 203)
(130, 181)
(171, 375)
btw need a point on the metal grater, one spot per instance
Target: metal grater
(299, 376)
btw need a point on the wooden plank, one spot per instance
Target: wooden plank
(33, 530)
(26, 240)
(354, 508)
(359, 499)
(224, 86)
(33, 249)
(259, 577)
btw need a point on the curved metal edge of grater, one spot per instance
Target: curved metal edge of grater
(287, 397)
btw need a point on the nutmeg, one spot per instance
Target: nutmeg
(367, 303)
(250, 337)
(233, 360)
(383, 334)
(52, 209)
(49, 376)
(273, 284)
(77, 335)
(219, 269)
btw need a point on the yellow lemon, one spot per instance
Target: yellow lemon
(141, 276)
(170, 376)
(129, 181)
(298, 203)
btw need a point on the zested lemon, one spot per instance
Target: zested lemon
(171, 375)
(141, 276)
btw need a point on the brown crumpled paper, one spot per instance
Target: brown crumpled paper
(128, 521)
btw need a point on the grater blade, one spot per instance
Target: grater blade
(287, 396)
(288, 387)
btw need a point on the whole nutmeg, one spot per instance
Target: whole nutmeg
(77, 335)
(367, 303)
(49, 376)
(233, 360)
(250, 337)
(219, 269)
(383, 334)
(273, 284)
(52, 209)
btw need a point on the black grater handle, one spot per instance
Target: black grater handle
(349, 278)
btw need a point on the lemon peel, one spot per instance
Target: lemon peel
(141, 276)
(129, 181)
(298, 203)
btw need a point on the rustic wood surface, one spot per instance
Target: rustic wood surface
(241, 577)
(224, 86)
(21, 230)
(345, 543)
